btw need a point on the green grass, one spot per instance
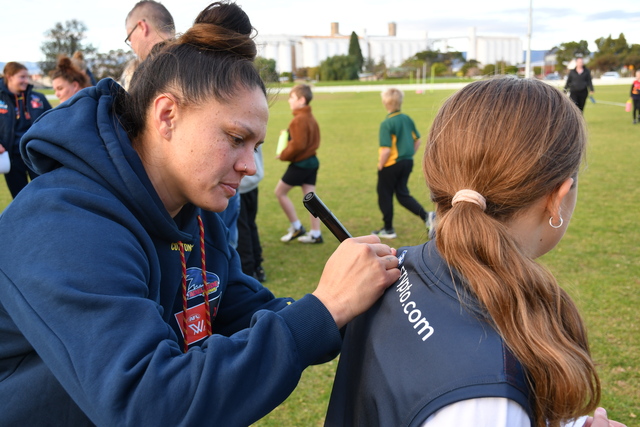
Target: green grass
(598, 261)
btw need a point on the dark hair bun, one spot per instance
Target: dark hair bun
(222, 26)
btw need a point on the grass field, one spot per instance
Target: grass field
(598, 261)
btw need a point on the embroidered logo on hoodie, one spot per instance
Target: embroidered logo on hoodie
(196, 312)
(36, 102)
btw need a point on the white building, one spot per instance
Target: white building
(485, 49)
(292, 52)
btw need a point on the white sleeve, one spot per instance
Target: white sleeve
(486, 412)
(481, 412)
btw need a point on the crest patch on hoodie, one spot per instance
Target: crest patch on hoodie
(36, 102)
(196, 329)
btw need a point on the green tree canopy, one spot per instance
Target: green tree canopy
(339, 67)
(612, 53)
(266, 68)
(64, 39)
(605, 62)
(610, 45)
(355, 51)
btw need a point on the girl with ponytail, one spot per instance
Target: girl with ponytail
(122, 302)
(476, 332)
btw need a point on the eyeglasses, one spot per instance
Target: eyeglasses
(127, 41)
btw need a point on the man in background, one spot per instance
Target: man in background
(147, 24)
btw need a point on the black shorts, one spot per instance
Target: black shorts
(297, 176)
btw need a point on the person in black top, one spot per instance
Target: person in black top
(579, 84)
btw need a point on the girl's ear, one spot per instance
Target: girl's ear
(554, 201)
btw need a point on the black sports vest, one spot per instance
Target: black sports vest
(418, 350)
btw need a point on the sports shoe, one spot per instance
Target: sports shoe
(293, 233)
(308, 238)
(430, 223)
(385, 234)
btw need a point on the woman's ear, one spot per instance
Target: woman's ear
(554, 201)
(165, 111)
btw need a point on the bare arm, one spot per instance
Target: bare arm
(416, 145)
(383, 156)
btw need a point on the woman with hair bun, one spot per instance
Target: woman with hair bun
(475, 331)
(132, 308)
(67, 79)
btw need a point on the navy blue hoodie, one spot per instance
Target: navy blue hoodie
(90, 294)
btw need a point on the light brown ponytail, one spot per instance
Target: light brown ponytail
(513, 141)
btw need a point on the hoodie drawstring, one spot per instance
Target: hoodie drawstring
(205, 291)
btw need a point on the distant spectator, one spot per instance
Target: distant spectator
(68, 79)
(579, 84)
(19, 107)
(635, 96)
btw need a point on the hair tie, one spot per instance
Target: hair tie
(470, 196)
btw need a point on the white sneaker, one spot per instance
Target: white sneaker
(385, 234)
(308, 238)
(293, 233)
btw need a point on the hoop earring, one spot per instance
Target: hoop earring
(556, 226)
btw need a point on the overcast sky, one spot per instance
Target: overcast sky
(23, 22)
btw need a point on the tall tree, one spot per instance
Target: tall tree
(611, 53)
(355, 51)
(64, 39)
(617, 46)
(339, 67)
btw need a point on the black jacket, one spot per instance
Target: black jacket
(577, 82)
